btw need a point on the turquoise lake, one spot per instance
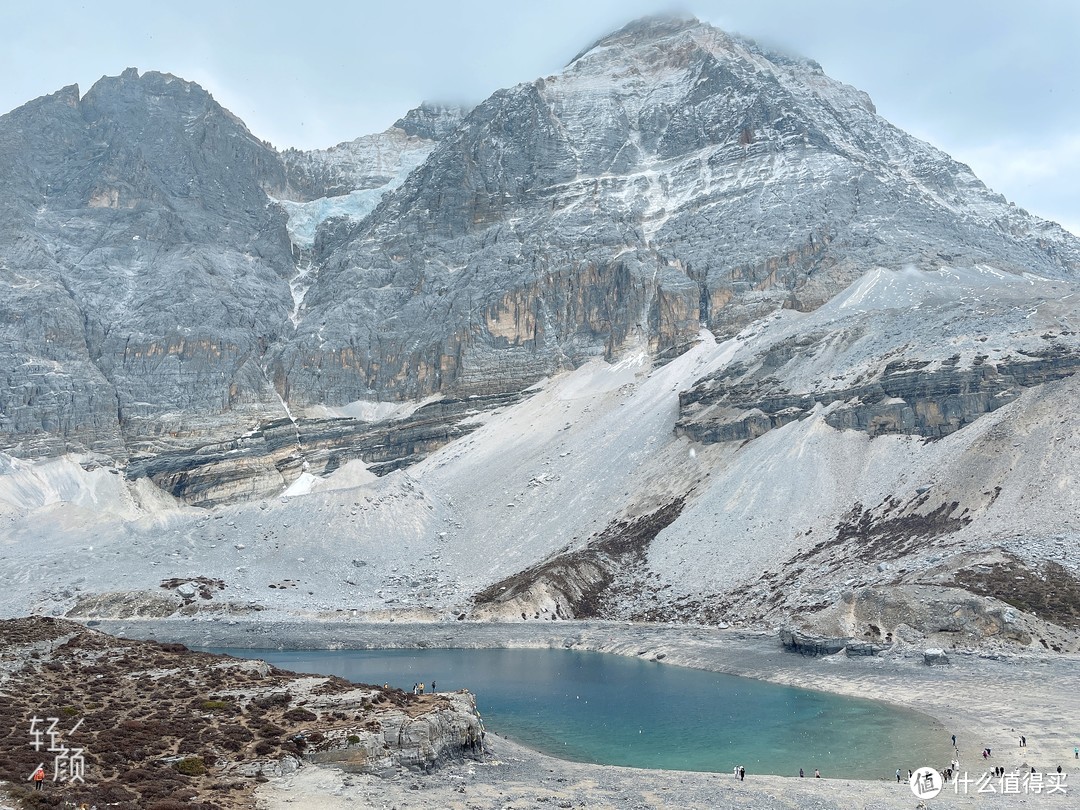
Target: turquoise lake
(613, 710)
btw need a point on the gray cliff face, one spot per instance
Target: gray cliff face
(669, 177)
(176, 293)
(143, 271)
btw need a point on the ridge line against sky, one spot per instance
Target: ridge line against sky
(993, 83)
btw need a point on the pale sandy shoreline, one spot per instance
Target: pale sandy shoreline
(987, 700)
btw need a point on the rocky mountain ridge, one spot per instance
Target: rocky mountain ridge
(457, 254)
(684, 331)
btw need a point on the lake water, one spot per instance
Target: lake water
(614, 710)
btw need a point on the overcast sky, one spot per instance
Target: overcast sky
(996, 84)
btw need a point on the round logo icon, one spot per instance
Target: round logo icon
(926, 783)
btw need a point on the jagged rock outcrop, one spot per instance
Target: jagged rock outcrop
(448, 730)
(899, 353)
(585, 583)
(905, 398)
(261, 463)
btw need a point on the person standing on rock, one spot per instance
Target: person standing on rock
(1023, 741)
(39, 777)
(801, 774)
(898, 776)
(742, 774)
(954, 741)
(735, 771)
(817, 773)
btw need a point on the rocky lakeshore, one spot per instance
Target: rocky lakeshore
(987, 697)
(156, 726)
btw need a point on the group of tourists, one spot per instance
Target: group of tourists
(740, 773)
(418, 688)
(953, 770)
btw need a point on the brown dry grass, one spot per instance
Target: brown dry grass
(147, 707)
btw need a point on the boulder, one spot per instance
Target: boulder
(934, 656)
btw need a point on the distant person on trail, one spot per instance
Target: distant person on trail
(898, 776)
(954, 741)
(39, 777)
(1023, 741)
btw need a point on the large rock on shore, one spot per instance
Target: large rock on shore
(807, 644)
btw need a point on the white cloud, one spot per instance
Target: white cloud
(1014, 162)
(1026, 171)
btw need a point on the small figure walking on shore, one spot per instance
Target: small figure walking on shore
(742, 774)
(801, 774)
(954, 741)
(898, 776)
